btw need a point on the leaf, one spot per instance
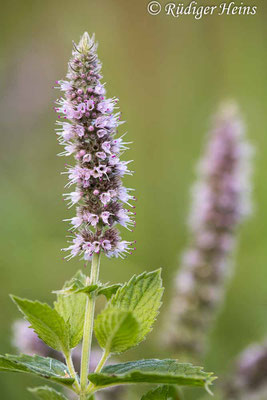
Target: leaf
(152, 371)
(72, 310)
(44, 367)
(87, 289)
(73, 290)
(78, 284)
(141, 295)
(116, 330)
(162, 393)
(47, 393)
(109, 291)
(46, 322)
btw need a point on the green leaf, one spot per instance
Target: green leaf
(108, 291)
(78, 284)
(73, 290)
(162, 393)
(72, 310)
(141, 295)
(47, 393)
(116, 330)
(152, 371)
(46, 322)
(44, 367)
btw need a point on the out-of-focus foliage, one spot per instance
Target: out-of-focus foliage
(170, 74)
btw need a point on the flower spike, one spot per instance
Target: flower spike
(221, 201)
(88, 133)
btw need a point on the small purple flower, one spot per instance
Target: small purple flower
(89, 134)
(105, 216)
(221, 201)
(105, 198)
(76, 221)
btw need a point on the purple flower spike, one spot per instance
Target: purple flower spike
(89, 135)
(221, 200)
(248, 380)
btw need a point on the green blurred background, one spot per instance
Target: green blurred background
(170, 74)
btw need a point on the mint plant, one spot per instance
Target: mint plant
(221, 201)
(87, 129)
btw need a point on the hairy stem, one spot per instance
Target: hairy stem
(88, 326)
(101, 363)
(72, 370)
(99, 367)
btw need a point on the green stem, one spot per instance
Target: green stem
(88, 326)
(73, 374)
(101, 363)
(99, 367)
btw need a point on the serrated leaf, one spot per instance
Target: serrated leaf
(108, 291)
(165, 392)
(73, 290)
(141, 295)
(44, 367)
(46, 322)
(78, 284)
(116, 330)
(152, 371)
(72, 310)
(47, 393)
